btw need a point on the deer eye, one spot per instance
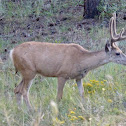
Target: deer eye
(117, 53)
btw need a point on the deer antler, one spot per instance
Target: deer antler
(114, 36)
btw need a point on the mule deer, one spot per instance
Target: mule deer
(64, 61)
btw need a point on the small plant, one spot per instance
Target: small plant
(107, 7)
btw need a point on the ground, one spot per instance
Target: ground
(105, 87)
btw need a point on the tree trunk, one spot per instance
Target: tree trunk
(90, 8)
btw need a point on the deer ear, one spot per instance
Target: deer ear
(108, 47)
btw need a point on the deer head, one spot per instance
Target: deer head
(111, 48)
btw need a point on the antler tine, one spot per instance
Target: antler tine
(114, 24)
(111, 28)
(114, 36)
(121, 34)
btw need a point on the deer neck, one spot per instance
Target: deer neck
(94, 60)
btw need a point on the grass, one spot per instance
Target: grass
(105, 89)
(105, 93)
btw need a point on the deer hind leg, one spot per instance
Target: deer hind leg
(23, 88)
(18, 93)
(61, 83)
(27, 85)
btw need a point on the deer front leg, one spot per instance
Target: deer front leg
(80, 87)
(61, 83)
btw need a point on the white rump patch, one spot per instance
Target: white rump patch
(11, 55)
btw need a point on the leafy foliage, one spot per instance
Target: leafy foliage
(107, 7)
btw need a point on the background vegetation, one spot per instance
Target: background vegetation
(61, 21)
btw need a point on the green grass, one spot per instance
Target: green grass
(105, 88)
(105, 96)
(105, 93)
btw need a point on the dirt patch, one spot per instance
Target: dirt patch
(66, 26)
